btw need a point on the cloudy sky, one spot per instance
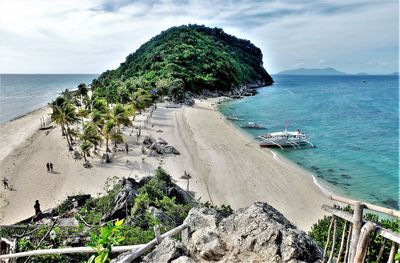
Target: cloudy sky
(90, 36)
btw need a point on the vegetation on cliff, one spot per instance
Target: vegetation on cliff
(190, 57)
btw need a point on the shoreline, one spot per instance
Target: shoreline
(324, 190)
(224, 169)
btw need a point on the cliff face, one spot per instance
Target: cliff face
(202, 57)
(258, 233)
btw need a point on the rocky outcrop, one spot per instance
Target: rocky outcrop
(124, 200)
(159, 146)
(258, 233)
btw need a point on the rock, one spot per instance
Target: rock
(182, 196)
(171, 150)
(159, 148)
(256, 233)
(148, 141)
(183, 259)
(159, 214)
(123, 201)
(161, 141)
(168, 250)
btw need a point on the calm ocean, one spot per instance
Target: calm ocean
(21, 94)
(354, 124)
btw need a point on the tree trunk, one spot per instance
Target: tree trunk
(84, 156)
(67, 136)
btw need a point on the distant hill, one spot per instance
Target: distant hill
(312, 71)
(394, 74)
(199, 56)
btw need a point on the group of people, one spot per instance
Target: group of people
(49, 167)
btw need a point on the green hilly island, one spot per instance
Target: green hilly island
(190, 57)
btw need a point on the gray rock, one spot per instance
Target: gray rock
(159, 214)
(168, 250)
(148, 141)
(170, 150)
(256, 233)
(123, 201)
(183, 259)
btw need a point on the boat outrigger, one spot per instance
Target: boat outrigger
(295, 139)
(233, 118)
(252, 125)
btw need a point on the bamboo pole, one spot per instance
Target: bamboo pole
(328, 239)
(70, 250)
(357, 223)
(363, 242)
(346, 255)
(342, 242)
(333, 240)
(137, 253)
(381, 250)
(392, 251)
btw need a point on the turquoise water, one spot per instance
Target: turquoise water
(23, 93)
(354, 124)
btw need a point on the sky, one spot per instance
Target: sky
(91, 36)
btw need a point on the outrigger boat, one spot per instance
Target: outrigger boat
(252, 125)
(233, 118)
(295, 139)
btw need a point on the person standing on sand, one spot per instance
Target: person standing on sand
(51, 166)
(48, 167)
(38, 212)
(5, 182)
(126, 147)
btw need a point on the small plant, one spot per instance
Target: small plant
(110, 235)
(143, 149)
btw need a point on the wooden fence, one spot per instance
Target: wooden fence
(353, 246)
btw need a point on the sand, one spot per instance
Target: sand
(226, 166)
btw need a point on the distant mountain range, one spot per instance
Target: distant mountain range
(312, 71)
(323, 71)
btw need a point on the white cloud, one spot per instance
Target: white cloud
(71, 36)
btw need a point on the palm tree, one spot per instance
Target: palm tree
(120, 115)
(140, 99)
(91, 134)
(64, 114)
(110, 132)
(85, 147)
(83, 113)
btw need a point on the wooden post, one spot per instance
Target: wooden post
(157, 234)
(342, 242)
(328, 239)
(357, 224)
(363, 242)
(380, 254)
(346, 255)
(333, 239)
(392, 251)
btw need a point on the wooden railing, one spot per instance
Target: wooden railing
(136, 250)
(355, 244)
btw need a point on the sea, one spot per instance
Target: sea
(352, 120)
(24, 93)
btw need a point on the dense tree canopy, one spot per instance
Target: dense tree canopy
(201, 57)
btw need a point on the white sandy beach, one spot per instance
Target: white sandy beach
(226, 167)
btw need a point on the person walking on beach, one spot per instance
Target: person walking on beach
(48, 167)
(51, 166)
(5, 182)
(126, 147)
(38, 212)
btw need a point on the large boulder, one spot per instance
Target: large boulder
(256, 233)
(167, 251)
(123, 201)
